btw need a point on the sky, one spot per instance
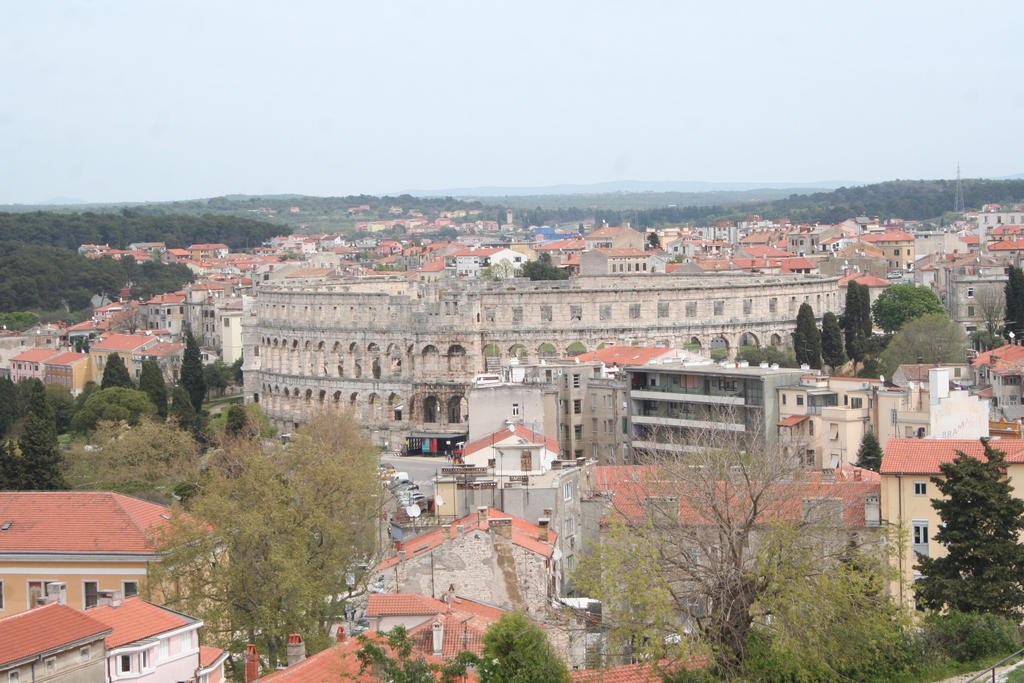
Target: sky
(110, 101)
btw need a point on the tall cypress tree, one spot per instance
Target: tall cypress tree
(9, 412)
(831, 341)
(807, 340)
(115, 374)
(192, 373)
(1014, 291)
(856, 320)
(181, 408)
(151, 381)
(983, 569)
(869, 456)
(40, 460)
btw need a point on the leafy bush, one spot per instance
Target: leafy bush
(968, 637)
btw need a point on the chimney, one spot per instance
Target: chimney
(502, 527)
(295, 649)
(340, 635)
(828, 475)
(438, 634)
(401, 556)
(481, 513)
(545, 525)
(252, 663)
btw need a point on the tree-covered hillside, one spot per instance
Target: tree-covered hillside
(36, 277)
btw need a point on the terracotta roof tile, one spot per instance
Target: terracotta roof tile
(136, 619)
(392, 604)
(35, 355)
(791, 421)
(625, 355)
(923, 456)
(77, 522)
(68, 358)
(44, 628)
(121, 342)
(503, 434)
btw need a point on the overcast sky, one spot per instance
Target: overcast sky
(159, 100)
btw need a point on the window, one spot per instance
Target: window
(515, 410)
(570, 526)
(576, 381)
(526, 461)
(662, 309)
(13, 677)
(773, 305)
(165, 649)
(130, 588)
(577, 431)
(856, 402)
(634, 311)
(970, 311)
(970, 292)
(567, 490)
(577, 406)
(146, 659)
(748, 305)
(810, 427)
(489, 314)
(124, 664)
(1, 595)
(517, 314)
(920, 488)
(83, 654)
(719, 307)
(605, 312)
(783, 399)
(51, 665)
(799, 399)
(920, 536)
(691, 309)
(545, 313)
(575, 313)
(91, 590)
(833, 431)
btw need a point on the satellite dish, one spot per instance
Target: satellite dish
(413, 511)
(438, 500)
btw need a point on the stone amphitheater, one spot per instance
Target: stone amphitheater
(400, 354)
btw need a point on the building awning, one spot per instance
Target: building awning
(792, 420)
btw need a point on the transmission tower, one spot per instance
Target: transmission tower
(958, 201)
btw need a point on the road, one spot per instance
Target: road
(421, 470)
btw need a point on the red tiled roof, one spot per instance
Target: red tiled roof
(337, 663)
(35, 355)
(400, 604)
(77, 522)
(561, 244)
(766, 251)
(120, 342)
(1010, 353)
(625, 355)
(504, 433)
(791, 421)
(44, 628)
(136, 619)
(923, 456)
(890, 236)
(621, 252)
(164, 349)
(208, 655)
(69, 358)
(1007, 245)
(461, 632)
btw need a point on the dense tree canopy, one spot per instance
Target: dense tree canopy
(151, 381)
(115, 374)
(807, 340)
(869, 455)
(929, 339)
(832, 341)
(899, 304)
(856, 321)
(543, 269)
(41, 462)
(516, 650)
(46, 278)
(115, 404)
(1014, 299)
(193, 378)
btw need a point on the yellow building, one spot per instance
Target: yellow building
(907, 492)
(897, 248)
(84, 544)
(124, 345)
(71, 370)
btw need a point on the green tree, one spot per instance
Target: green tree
(151, 382)
(181, 408)
(1014, 295)
(9, 411)
(62, 405)
(41, 461)
(856, 321)
(289, 564)
(390, 656)
(654, 240)
(192, 377)
(115, 374)
(516, 650)
(899, 304)
(238, 422)
(114, 404)
(217, 376)
(236, 371)
(12, 474)
(929, 339)
(832, 341)
(983, 569)
(543, 269)
(807, 340)
(869, 455)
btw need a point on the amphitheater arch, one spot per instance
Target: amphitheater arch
(719, 346)
(431, 358)
(430, 409)
(547, 350)
(492, 357)
(776, 340)
(353, 403)
(693, 345)
(458, 408)
(372, 348)
(575, 349)
(519, 352)
(323, 396)
(395, 407)
(748, 339)
(372, 402)
(457, 358)
(375, 368)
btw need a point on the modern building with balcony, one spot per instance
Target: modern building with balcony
(676, 406)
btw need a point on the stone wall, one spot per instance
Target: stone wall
(400, 354)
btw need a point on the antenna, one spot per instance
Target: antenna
(958, 200)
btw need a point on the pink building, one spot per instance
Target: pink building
(152, 644)
(29, 364)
